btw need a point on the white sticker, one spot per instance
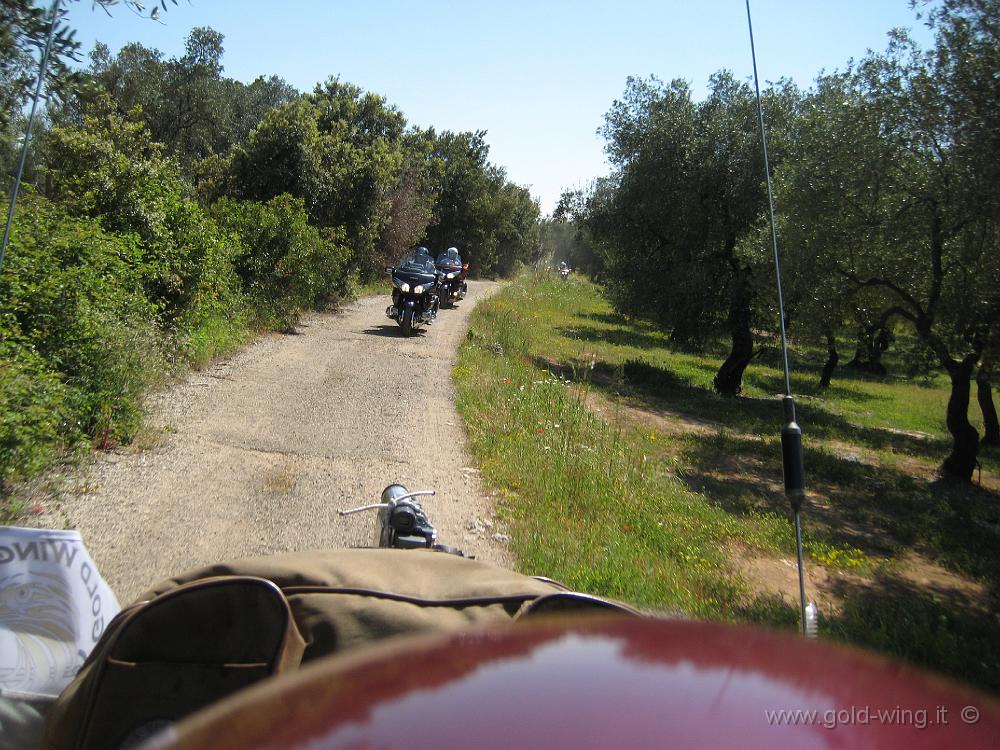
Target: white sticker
(54, 606)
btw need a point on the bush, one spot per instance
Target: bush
(72, 298)
(122, 271)
(110, 170)
(285, 264)
(35, 421)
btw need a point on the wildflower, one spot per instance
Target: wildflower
(540, 430)
(626, 527)
(507, 381)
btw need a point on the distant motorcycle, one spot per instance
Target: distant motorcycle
(564, 272)
(415, 291)
(453, 284)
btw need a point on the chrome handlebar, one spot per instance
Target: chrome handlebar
(379, 506)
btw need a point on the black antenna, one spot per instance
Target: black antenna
(791, 433)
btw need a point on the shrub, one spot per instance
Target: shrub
(35, 420)
(285, 264)
(110, 169)
(71, 295)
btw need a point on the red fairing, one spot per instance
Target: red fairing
(604, 683)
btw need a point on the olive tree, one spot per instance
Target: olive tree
(892, 194)
(688, 189)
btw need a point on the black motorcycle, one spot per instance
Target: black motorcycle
(414, 291)
(453, 286)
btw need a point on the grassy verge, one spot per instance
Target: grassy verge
(621, 473)
(379, 286)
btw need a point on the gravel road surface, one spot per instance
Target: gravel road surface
(259, 451)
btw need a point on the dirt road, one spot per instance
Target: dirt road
(258, 452)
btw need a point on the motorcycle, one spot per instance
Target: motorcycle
(402, 523)
(415, 291)
(676, 678)
(453, 286)
(564, 272)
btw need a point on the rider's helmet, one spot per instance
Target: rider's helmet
(423, 251)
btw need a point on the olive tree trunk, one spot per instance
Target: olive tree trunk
(961, 463)
(831, 360)
(872, 343)
(729, 379)
(984, 394)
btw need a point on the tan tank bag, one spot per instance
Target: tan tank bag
(195, 639)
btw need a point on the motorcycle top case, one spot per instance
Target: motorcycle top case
(194, 639)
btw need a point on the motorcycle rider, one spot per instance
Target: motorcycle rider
(453, 287)
(450, 257)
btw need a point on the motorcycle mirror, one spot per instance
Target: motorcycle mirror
(389, 269)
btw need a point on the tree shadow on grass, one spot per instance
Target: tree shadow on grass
(937, 628)
(745, 496)
(611, 319)
(660, 389)
(626, 333)
(655, 385)
(842, 393)
(614, 336)
(875, 509)
(774, 383)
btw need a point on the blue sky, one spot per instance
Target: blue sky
(538, 76)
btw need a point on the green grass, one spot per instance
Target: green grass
(635, 509)
(214, 336)
(377, 287)
(561, 468)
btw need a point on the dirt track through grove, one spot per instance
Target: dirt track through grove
(259, 451)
